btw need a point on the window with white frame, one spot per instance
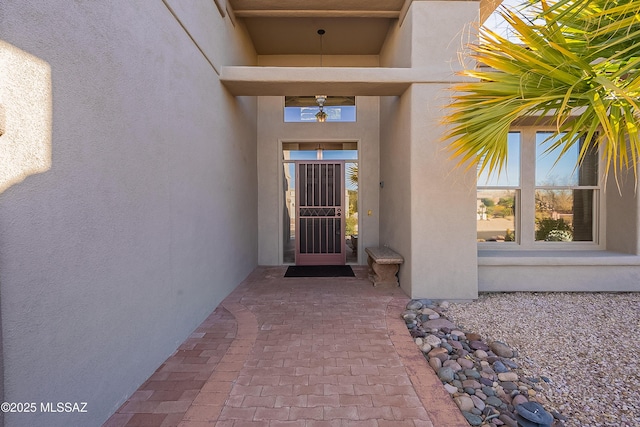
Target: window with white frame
(540, 201)
(498, 196)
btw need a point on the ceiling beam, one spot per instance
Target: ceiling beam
(300, 81)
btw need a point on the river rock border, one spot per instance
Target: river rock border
(483, 378)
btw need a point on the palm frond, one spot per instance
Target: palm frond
(576, 60)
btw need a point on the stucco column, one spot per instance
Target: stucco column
(429, 204)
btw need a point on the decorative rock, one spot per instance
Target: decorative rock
(465, 363)
(518, 400)
(438, 324)
(499, 367)
(509, 386)
(432, 340)
(487, 370)
(414, 305)
(435, 363)
(510, 363)
(440, 353)
(508, 376)
(426, 302)
(481, 354)
(458, 333)
(472, 419)
(455, 344)
(486, 381)
(481, 378)
(453, 365)
(472, 384)
(472, 373)
(477, 402)
(501, 349)
(478, 345)
(494, 401)
(450, 389)
(445, 374)
(508, 421)
(474, 337)
(416, 333)
(464, 403)
(409, 317)
(444, 305)
(470, 391)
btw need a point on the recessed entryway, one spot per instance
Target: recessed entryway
(323, 228)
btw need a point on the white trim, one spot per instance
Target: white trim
(555, 258)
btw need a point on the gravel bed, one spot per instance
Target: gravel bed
(587, 344)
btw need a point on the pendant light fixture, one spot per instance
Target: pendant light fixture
(321, 116)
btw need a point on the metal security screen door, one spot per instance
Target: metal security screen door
(320, 213)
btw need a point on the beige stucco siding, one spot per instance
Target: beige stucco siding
(147, 217)
(428, 204)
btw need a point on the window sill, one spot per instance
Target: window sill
(555, 258)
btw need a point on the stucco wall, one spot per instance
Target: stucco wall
(395, 174)
(558, 271)
(622, 214)
(314, 60)
(443, 206)
(272, 131)
(396, 51)
(428, 205)
(113, 256)
(395, 154)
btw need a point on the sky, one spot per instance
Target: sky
(495, 21)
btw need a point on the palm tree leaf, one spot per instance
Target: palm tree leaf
(576, 60)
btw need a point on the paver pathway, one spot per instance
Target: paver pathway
(296, 352)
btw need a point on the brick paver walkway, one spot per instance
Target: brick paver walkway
(301, 352)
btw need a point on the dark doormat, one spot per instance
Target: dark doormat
(319, 271)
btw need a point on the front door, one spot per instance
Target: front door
(320, 213)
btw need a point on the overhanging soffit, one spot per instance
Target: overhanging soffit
(278, 81)
(289, 27)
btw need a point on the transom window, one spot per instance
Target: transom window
(540, 201)
(304, 109)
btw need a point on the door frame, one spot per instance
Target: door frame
(281, 183)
